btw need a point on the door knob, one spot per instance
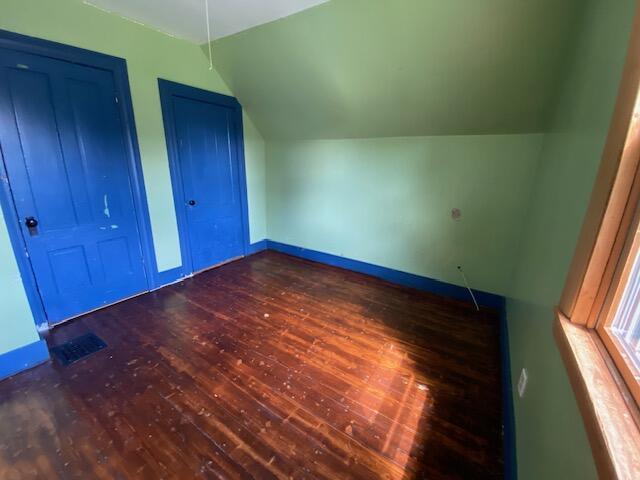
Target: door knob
(192, 202)
(31, 222)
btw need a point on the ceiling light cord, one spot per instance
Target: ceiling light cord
(206, 9)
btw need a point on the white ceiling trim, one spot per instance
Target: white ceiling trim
(186, 18)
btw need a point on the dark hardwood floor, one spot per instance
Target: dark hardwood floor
(268, 367)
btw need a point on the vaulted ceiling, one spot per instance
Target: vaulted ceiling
(376, 68)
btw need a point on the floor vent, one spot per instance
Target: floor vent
(78, 348)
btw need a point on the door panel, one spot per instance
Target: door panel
(64, 152)
(208, 160)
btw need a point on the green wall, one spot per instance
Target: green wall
(149, 55)
(16, 324)
(551, 441)
(388, 201)
(393, 68)
(379, 119)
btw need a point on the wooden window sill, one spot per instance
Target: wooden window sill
(608, 409)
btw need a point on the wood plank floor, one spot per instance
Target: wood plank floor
(268, 367)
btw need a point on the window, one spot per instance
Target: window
(619, 321)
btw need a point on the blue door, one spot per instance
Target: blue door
(63, 147)
(209, 169)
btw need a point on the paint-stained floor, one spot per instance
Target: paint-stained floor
(268, 367)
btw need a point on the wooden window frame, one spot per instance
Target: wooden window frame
(606, 389)
(614, 296)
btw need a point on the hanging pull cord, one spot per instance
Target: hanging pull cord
(466, 284)
(206, 10)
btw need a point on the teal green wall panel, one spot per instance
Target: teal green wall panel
(16, 324)
(551, 441)
(256, 168)
(547, 418)
(149, 55)
(388, 201)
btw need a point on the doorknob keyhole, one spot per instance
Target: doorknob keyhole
(31, 222)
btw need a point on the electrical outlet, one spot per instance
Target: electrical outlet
(522, 383)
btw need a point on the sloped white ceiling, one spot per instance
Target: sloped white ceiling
(186, 18)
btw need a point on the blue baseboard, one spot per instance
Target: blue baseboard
(167, 277)
(23, 358)
(257, 247)
(508, 415)
(395, 276)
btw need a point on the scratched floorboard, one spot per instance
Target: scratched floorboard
(269, 367)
